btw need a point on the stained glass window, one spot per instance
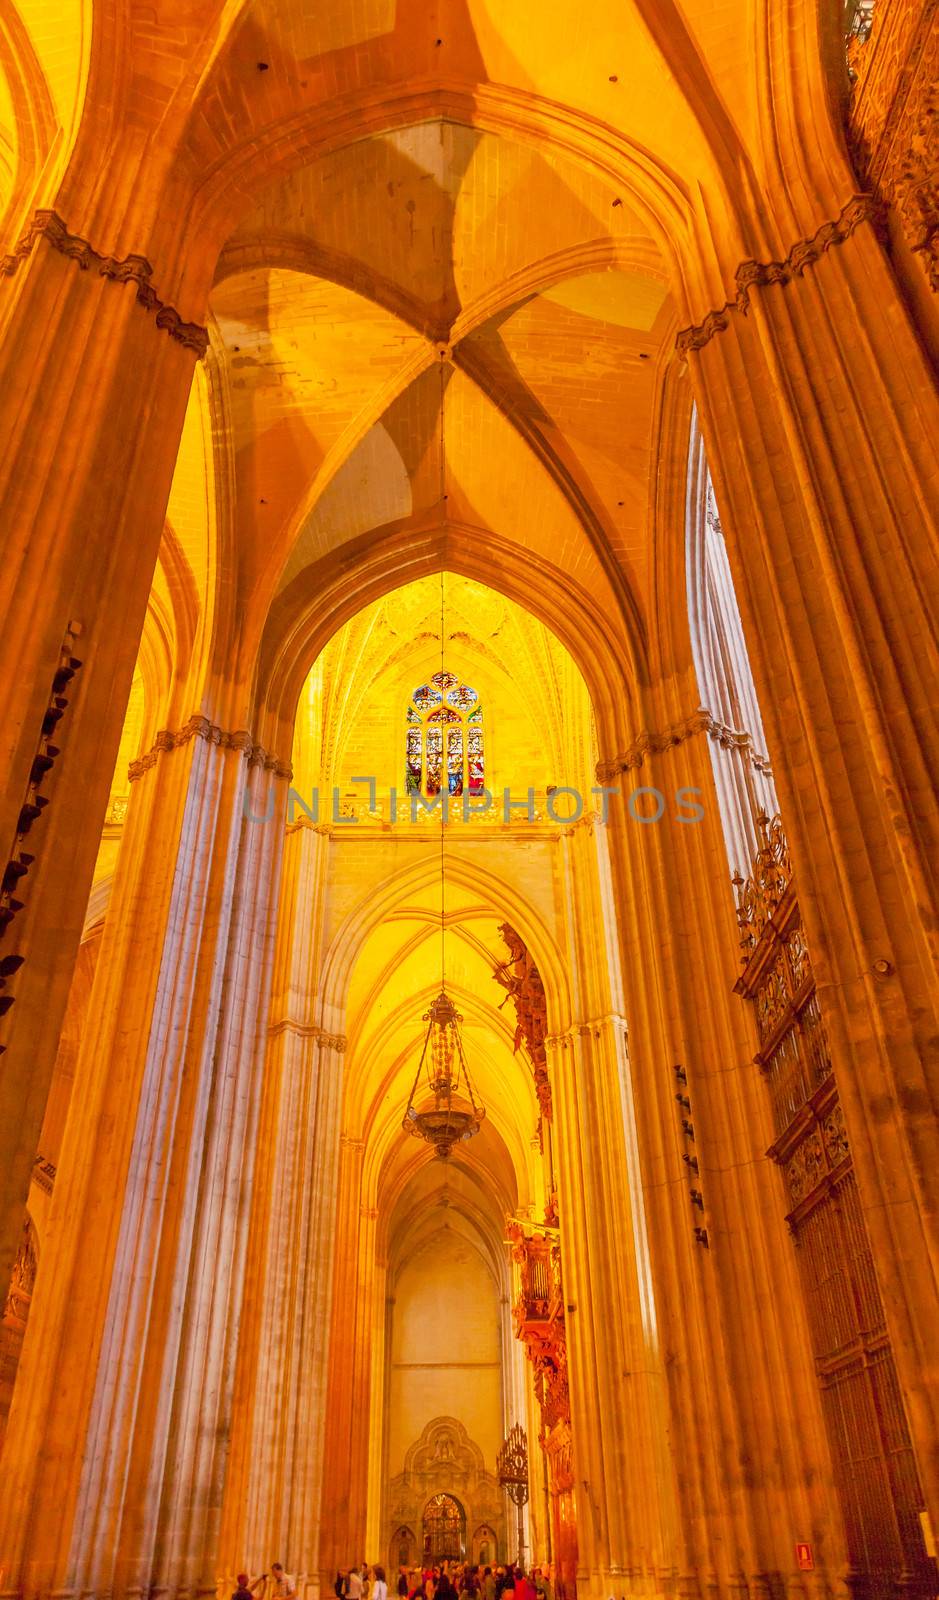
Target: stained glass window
(444, 735)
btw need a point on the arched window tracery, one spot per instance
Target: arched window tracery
(740, 761)
(444, 738)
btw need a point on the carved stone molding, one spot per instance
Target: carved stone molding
(131, 269)
(23, 1279)
(307, 1030)
(758, 274)
(584, 1030)
(201, 728)
(652, 744)
(44, 1173)
(893, 120)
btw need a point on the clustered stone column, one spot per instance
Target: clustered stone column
(272, 1496)
(83, 500)
(132, 1418)
(820, 416)
(745, 1430)
(625, 1492)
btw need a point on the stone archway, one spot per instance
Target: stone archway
(485, 1549)
(444, 1464)
(403, 1549)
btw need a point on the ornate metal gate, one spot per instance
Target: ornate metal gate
(444, 1529)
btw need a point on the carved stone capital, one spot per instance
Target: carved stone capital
(201, 728)
(759, 274)
(128, 269)
(651, 744)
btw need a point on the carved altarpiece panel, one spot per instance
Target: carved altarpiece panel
(443, 1464)
(540, 1325)
(868, 1432)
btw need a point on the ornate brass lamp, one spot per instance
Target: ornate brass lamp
(446, 1111)
(512, 1465)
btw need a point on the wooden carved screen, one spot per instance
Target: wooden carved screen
(536, 1254)
(540, 1325)
(863, 1407)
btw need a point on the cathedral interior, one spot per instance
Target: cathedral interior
(469, 978)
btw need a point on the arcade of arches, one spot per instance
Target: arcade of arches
(484, 404)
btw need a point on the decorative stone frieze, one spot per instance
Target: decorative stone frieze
(653, 744)
(133, 269)
(304, 1030)
(758, 274)
(201, 728)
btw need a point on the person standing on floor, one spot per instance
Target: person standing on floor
(246, 1589)
(281, 1587)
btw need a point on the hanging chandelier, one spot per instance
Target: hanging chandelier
(442, 1109)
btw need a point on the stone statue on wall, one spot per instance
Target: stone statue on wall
(521, 978)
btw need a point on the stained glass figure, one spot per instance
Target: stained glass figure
(433, 751)
(426, 696)
(475, 765)
(414, 761)
(455, 759)
(444, 734)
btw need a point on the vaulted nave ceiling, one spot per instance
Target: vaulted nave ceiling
(440, 326)
(450, 244)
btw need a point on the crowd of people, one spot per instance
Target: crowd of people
(446, 1581)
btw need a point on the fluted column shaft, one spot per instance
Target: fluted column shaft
(820, 416)
(348, 1411)
(275, 1485)
(624, 1489)
(133, 1415)
(747, 1438)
